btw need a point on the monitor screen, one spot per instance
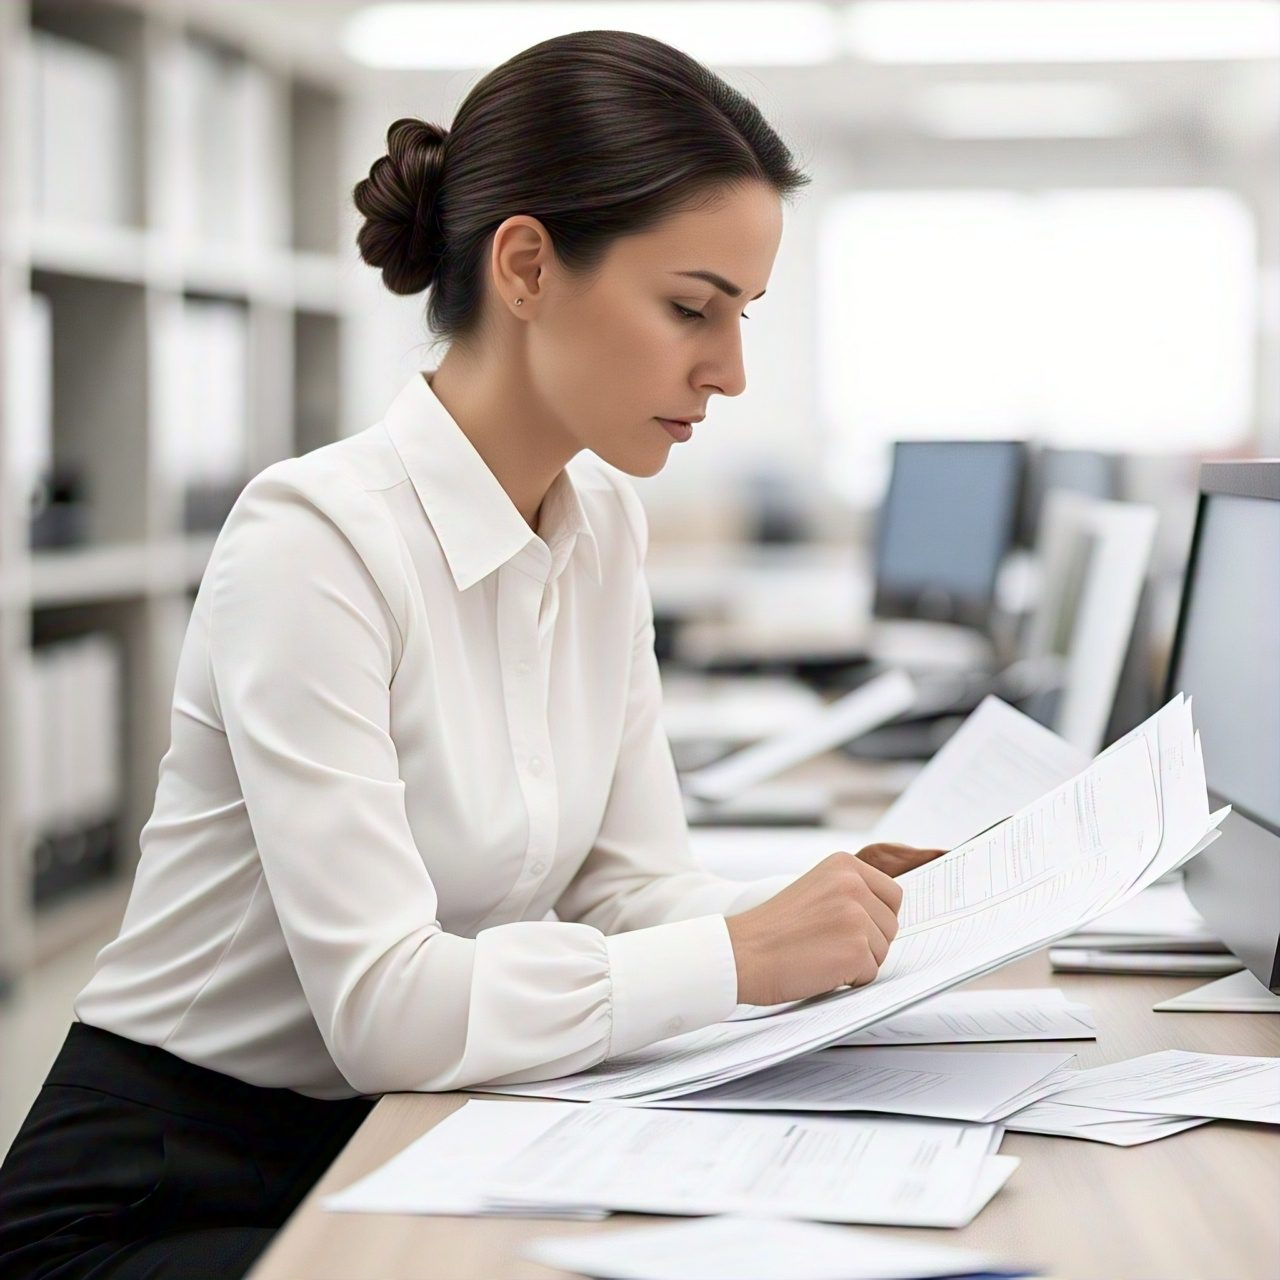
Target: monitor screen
(1229, 652)
(1226, 658)
(947, 522)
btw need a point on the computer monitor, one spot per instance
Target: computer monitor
(1050, 470)
(946, 524)
(1226, 657)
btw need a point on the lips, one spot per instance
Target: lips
(678, 429)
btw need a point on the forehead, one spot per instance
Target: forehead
(736, 235)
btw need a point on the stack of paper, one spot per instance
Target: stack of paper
(970, 1017)
(1156, 1095)
(899, 1172)
(947, 1085)
(1138, 811)
(551, 1159)
(740, 1248)
(1159, 931)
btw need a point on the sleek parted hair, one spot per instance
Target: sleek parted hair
(597, 134)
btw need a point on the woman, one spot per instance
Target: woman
(418, 826)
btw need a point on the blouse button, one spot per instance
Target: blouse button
(538, 868)
(522, 668)
(675, 1024)
(535, 765)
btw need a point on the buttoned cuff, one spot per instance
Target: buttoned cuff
(670, 978)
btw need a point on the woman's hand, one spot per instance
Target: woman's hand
(829, 928)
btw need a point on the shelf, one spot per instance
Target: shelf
(80, 575)
(216, 155)
(120, 254)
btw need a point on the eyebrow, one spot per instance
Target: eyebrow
(719, 281)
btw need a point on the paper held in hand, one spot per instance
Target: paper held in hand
(1137, 811)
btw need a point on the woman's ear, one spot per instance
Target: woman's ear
(520, 259)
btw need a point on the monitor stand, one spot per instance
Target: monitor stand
(1236, 993)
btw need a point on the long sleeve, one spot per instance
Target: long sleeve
(303, 650)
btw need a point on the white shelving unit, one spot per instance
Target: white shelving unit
(269, 241)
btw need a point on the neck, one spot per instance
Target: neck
(496, 409)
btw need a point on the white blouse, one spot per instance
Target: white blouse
(406, 729)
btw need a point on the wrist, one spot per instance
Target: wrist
(745, 957)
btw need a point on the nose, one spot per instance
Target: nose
(728, 374)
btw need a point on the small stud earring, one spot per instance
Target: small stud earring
(519, 302)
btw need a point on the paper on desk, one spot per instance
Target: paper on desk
(1175, 1082)
(973, 1017)
(727, 1247)
(997, 762)
(1094, 1124)
(1076, 852)
(447, 1169)
(866, 707)
(893, 1171)
(1160, 918)
(942, 1084)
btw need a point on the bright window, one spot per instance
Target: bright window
(1116, 319)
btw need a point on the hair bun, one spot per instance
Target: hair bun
(401, 233)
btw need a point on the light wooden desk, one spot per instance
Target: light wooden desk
(1203, 1203)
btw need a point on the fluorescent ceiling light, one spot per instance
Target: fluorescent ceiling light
(978, 31)
(1039, 109)
(485, 33)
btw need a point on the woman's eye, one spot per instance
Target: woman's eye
(687, 314)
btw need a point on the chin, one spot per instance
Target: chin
(639, 465)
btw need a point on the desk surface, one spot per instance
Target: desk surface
(1202, 1203)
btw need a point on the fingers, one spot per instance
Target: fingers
(863, 965)
(884, 886)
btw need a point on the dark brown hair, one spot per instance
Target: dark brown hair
(597, 134)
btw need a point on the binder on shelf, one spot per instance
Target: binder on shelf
(82, 153)
(29, 405)
(73, 780)
(224, 119)
(206, 449)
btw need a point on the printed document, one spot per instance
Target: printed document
(1178, 1083)
(972, 1017)
(996, 763)
(852, 1169)
(446, 1171)
(737, 1248)
(947, 1085)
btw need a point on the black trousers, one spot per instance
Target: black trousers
(134, 1164)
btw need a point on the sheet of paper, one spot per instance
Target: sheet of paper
(447, 1169)
(945, 1085)
(973, 1017)
(852, 1169)
(1042, 873)
(1118, 1128)
(866, 707)
(1159, 916)
(997, 762)
(1175, 1082)
(751, 853)
(727, 1247)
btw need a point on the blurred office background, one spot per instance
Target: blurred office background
(1040, 255)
